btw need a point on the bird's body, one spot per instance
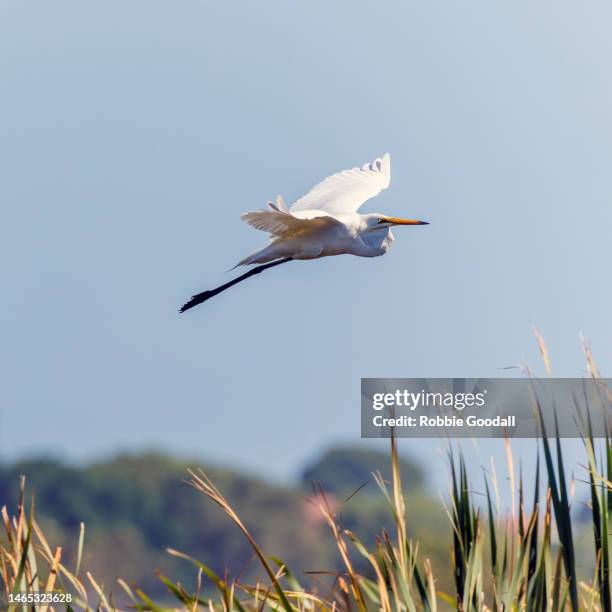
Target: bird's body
(323, 223)
(328, 235)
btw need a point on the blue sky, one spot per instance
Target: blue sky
(133, 134)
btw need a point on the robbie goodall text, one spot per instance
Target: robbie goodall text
(456, 401)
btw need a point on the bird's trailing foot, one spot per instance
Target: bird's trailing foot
(206, 295)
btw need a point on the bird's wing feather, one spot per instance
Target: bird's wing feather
(280, 205)
(284, 224)
(346, 191)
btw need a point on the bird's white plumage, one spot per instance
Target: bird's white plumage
(285, 224)
(346, 191)
(325, 221)
(339, 194)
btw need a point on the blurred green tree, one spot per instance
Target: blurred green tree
(342, 470)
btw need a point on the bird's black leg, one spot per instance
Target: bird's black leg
(206, 295)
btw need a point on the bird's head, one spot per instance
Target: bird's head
(376, 221)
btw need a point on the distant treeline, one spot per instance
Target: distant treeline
(135, 506)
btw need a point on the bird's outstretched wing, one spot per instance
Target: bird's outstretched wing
(285, 224)
(346, 191)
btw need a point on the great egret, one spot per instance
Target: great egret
(323, 222)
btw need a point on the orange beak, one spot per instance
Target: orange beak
(400, 221)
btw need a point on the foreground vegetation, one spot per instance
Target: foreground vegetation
(135, 506)
(524, 559)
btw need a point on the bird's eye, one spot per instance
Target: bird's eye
(381, 220)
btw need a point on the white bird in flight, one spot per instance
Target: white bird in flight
(324, 222)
